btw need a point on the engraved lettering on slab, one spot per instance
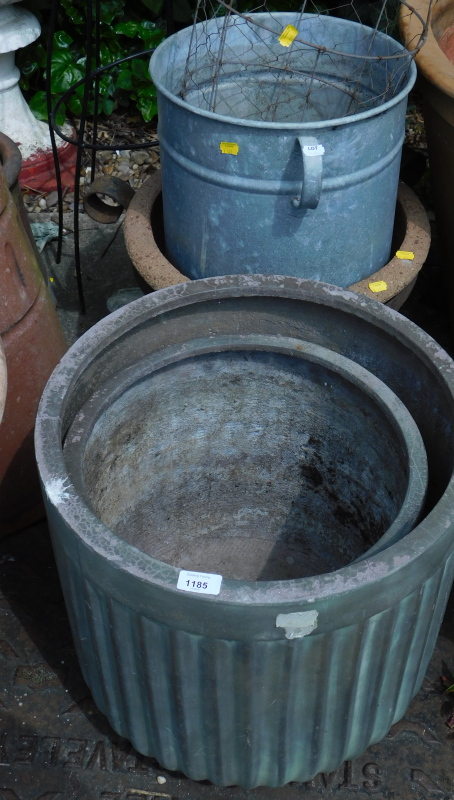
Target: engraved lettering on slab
(89, 755)
(26, 750)
(426, 783)
(327, 779)
(347, 783)
(76, 752)
(50, 749)
(98, 757)
(405, 726)
(371, 772)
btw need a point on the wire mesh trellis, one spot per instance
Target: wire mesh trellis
(90, 83)
(251, 67)
(245, 64)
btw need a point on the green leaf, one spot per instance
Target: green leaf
(106, 85)
(75, 104)
(29, 68)
(148, 107)
(110, 9)
(124, 80)
(64, 72)
(150, 34)
(108, 105)
(127, 28)
(105, 55)
(147, 91)
(73, 12)
(139, 69)
(38, 105)
(62, 40)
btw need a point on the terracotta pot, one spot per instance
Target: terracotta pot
(11, 161)
(436, 67)
(3, 380)
(33, 344)
(144, 236)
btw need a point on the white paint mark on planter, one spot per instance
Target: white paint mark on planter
(297, 624)
(56, 491)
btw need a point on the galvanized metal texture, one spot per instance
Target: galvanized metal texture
(144, 238)
(226, 212)
(56, 745)
(242, 703)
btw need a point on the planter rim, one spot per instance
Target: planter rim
(158, 272)
(61, 494)
(431, 60)
(288, 17)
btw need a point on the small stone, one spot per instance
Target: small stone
(160, 779)
(123, 168)
(51, 199)
(124, 154)
(81, 180)
(153, 157)
(135, 167)
(42, 202)
(137, 157)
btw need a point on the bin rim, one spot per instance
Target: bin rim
(288, 16)
(60, 493)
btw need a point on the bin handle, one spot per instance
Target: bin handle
(311, 187)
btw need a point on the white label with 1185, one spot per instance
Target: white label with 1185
(199, 582)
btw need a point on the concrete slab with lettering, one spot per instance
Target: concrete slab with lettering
(55, 744)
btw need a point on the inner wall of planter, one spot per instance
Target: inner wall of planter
(257, 466)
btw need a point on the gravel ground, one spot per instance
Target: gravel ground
(133, 166)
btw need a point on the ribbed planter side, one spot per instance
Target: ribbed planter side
(195, 701)
(210, 685)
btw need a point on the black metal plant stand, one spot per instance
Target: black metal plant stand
(90, 83)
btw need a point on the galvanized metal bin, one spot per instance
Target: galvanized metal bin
(268, 681)
(266, 206)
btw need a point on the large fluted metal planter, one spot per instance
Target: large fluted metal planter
(267, 681)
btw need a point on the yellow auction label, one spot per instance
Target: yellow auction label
(405, 255)
(378, 286)
(288, 35)
(229, 147)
